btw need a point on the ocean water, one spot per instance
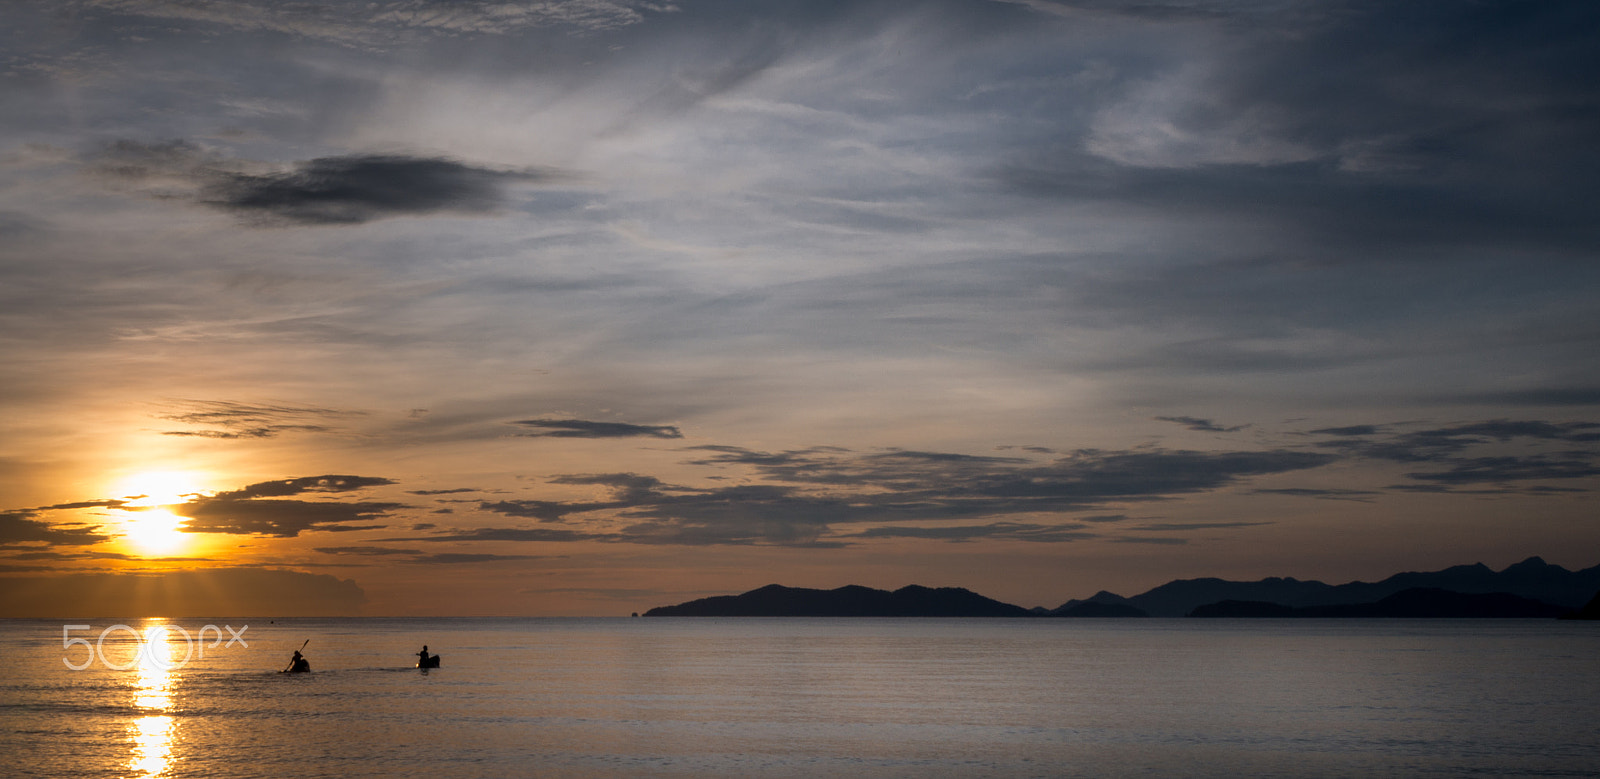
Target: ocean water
(804, 697)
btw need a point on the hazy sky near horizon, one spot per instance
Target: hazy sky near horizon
(586, 307)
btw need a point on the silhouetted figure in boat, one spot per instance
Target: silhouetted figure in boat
(298, 664)
(425, 660)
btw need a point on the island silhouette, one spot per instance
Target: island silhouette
(1532, 588)
(775, 600)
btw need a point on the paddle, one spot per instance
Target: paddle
(291, 660)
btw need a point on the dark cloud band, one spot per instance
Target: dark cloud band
(343, 190)
(582, 428)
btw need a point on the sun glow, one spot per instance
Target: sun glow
(155, 532)
(157, 488)
(150, 529)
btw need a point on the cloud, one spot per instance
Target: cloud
(456, 558)
(1360, 496)
(282, 518)
(1012, 531)
(1577, 457)
(418, 556)
(1170, 527)
(1443, 443)
(18, 228)
(1150, 9)
(254, 509)
(501, 534)
(224, 419)
(543, 510)
(579, 428)
(19, 527)
(342, 190)
(1494, 470)
(65, 556)
(304, 484)
(1350, 431)
(814, 492)
(390, 22)
(1202, 425)
(1371, 125)
(1549, 396)
(366, 551)
(364, 188)
(1085, 476)
(112, 503)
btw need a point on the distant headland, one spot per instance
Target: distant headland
(1529, 589)
(776, 600)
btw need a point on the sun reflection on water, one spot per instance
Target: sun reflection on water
(152, 731)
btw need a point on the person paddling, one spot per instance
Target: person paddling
(298, 663)
(425, 660)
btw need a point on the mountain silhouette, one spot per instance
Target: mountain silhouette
(1590, 610)
(1414, 603)
(1531, 588)
(775, 600)
(1532, 578)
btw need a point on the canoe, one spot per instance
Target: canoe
(431, 662)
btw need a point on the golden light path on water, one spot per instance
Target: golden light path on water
(153, 731)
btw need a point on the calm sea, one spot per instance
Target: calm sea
(806, 697)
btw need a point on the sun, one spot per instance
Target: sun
(149, 528)
(155, 532)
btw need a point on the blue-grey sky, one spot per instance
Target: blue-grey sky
(585, 307)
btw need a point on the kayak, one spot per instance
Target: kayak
(298, 667)
(431, 662)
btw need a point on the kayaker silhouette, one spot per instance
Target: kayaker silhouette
(425, 660)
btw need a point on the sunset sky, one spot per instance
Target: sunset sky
(580, 308)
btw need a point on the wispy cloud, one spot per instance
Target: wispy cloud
(1202, 425)
(223, 419)
(583, 428)
(390, 22)
(1360, 496)
(1014, 531)
(500, 534)
(420, 557)
(1460, 450)
(1179, 527)
(366, 551)
(812, 493)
